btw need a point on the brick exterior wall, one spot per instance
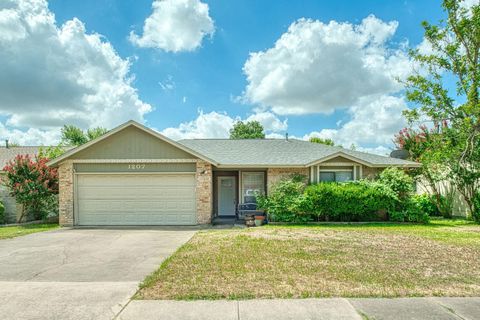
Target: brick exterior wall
(274, 175)
(65, 195)
(204, 192)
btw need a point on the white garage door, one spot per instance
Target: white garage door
(116, 199)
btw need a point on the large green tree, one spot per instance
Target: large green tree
(74, 136)
(424, 145)
(247, 130)
(328, 142)
(454, 55)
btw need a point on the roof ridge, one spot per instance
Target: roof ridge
(254, 139)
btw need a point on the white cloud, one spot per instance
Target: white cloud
(206, 125)
(467, 4)
(30, 137)
(168, 84)
(380, 150)
(373, 121)
(316, 67)
(175, 25)
(218, 124)
(269, 121)
(52, 75)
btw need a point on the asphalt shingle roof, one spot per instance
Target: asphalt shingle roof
(7, 154)
(278, 152)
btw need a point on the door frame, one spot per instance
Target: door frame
(235, 189)
(224, 173)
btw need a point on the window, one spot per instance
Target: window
(337, 176)
(327, 176)
(252, 183)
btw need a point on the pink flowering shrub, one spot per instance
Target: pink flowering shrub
(31, 182)
(421, 141)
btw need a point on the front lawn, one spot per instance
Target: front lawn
(371, 260)
(15, 231)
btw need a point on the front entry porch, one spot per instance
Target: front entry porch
(234, 194)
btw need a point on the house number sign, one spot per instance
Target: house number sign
(136, 166)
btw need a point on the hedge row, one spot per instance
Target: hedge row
(355, 201)
(292, 201)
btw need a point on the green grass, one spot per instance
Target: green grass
(16, 231)
(334, 260)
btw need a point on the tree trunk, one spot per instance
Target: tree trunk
(22, 215)
(438, 197)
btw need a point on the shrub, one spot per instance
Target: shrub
(411, 213)
(476, 206)
(427, 203)
(353, 201)
(397, 216)
(291, 201)
(285, 201)
(32, 183)
(414, 213)
(2, 213)
(397, 180)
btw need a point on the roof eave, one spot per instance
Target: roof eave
(403, 165)
(366, 163)
(339, 154)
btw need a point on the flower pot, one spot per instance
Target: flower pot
(259, 220)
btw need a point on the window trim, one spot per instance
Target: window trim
(350, 167)
(352, 170)
(241, 186)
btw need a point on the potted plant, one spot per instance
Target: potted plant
(259, 220)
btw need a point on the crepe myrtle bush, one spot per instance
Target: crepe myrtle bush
(32, 183)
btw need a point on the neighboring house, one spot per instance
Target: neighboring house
(135, 176)
(13, 210)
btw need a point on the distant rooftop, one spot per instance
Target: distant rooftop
(7, 154)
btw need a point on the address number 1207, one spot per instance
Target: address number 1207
(136, 166)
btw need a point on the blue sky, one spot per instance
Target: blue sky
(171, 88)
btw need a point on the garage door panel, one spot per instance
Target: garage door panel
(149, 194)
(136, 199)
(123, 207)
(114, 180)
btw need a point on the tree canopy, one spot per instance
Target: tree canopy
(247, 130)
(455, 114)
(74, 136)
(328, 142)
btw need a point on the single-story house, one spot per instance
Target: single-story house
(13, 210)
(133, 175)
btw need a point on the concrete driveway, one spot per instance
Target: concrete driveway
(80, 273)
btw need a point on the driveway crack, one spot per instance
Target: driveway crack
(64, 261)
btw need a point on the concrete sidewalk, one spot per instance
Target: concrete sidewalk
(312, 309)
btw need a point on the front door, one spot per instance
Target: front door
(227, 196)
